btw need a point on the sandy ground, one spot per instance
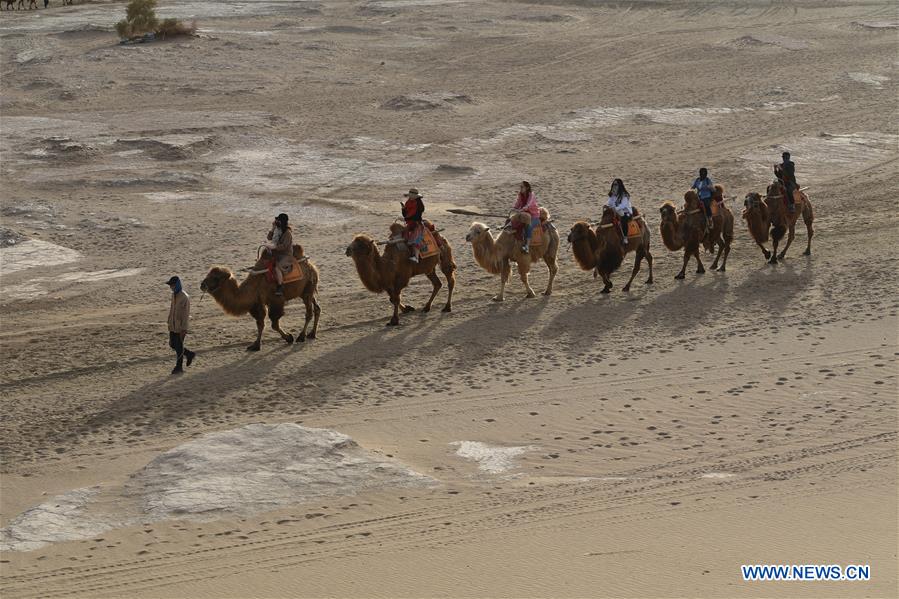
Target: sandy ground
(643, 444)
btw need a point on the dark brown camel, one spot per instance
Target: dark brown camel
(771, 215)
(602, 250)
(391, 272)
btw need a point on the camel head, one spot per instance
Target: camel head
(579, 231)
(476, 230)
(669, 212)
(216, 277)
(362, 245)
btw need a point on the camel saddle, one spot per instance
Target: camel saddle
(634, 228)
(537, 236)
(429, 245)
(289, 276)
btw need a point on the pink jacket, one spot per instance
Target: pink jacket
(529, 205)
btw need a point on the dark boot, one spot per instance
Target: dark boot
(190, 356)
(279, 290)
(178, 369)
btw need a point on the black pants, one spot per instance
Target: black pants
(625, 221)
(789, 187)
(177, 344)
(707, 205)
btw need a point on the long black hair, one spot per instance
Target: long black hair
(282, 221)
(622, 190)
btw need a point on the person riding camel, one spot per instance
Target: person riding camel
(786, 173)
(413, 208)
(280, 248)
(526, 202)
(705, 189)
(620, 202)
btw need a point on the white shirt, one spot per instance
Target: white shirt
(623, 207)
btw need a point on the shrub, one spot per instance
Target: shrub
(140, 18)
(174, 27)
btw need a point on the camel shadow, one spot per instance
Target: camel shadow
(157, 404)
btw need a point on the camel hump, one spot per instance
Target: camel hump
(298, 251)
(544, 214)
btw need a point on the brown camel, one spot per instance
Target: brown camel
(392, 271)
(603, 250)
(771, 215)
(256, 295)
(686, 229)
(495, 255)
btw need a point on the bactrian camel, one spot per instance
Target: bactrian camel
(495, 255)
(256, 295)
(772, 216)
(686, 229)
(602, 250)
(390, 273)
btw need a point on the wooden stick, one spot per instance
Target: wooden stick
(473, 213)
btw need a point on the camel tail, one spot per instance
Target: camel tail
(447, 263)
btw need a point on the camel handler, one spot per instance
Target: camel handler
(280, 247)
(179, 313)
(786, 172)
(413, 208)
(705, 189)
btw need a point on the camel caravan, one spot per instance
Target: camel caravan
(415, 246)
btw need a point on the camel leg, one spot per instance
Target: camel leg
(765, 251)
(726, 248)
(683, 270)
(773, 259)
(257, 311)
(638, 258)
(649, 262)
(307, 301)
(504, 276)
(808, 217)
(553, 269)
(607, 283)
(700, 269)
(395, 300)
(316, 312)
(435, 287)
(523, 275)
(275, 312)
(720, 245)
(790, 235)
(450, 285)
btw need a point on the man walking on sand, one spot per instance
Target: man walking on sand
(179, 312)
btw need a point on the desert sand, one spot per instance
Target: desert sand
(640, 444)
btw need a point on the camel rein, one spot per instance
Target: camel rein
(396, 240)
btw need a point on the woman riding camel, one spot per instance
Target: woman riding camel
(280, 247)
(413, 208)
(526, 202)
(620, 202)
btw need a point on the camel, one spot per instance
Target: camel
(495, 255)
(602, 250)
(392, 271)
(771, 215)
(256, 295)
(686, 229)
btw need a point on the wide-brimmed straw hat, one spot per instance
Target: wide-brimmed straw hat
(412, 194)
